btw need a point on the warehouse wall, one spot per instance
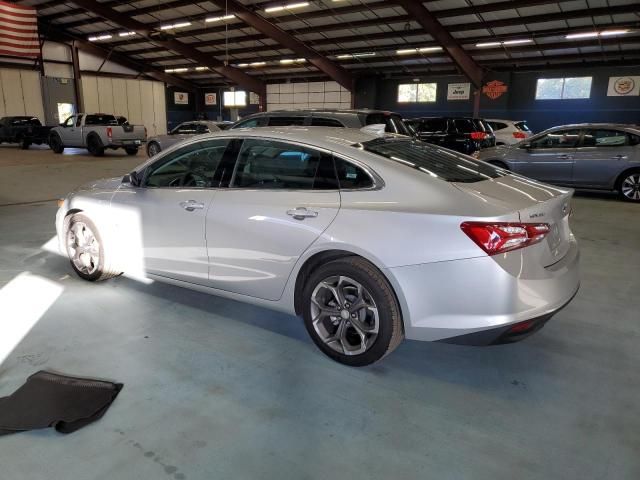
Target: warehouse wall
(287, 96)
(141, 101)
(20, 93)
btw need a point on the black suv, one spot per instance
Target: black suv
(462, 134)
(24, 130)
(326, 118)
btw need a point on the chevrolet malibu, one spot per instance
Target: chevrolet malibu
(370, 237)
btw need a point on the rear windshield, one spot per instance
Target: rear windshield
(522, 126)
(464, 125)
(444, 164)
(100, 120)
(394, 123)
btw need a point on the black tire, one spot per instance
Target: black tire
(498, 163)
(55, 143)
(103, 270)
(633, 177)
(153, 148)
(94, 145)
(131, 150)
(25, 144)
(390, 330)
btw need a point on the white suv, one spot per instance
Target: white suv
(509, 132)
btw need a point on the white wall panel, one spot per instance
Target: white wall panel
(133, 102)
(148, 113)
(32, 93)
(120, 105)
(90, 94)
(105, 95)
(12, 92)
(297, 96)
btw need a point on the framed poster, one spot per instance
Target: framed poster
(210, 99)
(458, 91)
(254, 98)
(181, 98)
(627, 86)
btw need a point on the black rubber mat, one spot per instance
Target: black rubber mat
(53, 400)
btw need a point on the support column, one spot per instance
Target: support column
(76, 78)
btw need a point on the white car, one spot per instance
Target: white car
(369, 237)
(510, 132)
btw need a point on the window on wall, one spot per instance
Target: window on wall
(563, 88)
(417, 92)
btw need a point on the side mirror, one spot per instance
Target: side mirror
(132, 179)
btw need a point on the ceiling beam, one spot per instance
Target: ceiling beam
(235, 75)
(433, 27)
(322, 63)
(51, 32)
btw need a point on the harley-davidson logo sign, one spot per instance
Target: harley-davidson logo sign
(495, 89)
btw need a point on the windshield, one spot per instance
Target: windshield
(444, 164)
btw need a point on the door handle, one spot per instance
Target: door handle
(619, 157)
(191, 205)
(300, 213)
(565, 157)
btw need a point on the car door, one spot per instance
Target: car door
(72, 132)
(600, 157)
(167, 212)
(281, 198)
(548, 157)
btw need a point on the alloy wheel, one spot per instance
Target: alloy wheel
(154, 149)
(630, 186)
(83, 248)
(344, 315)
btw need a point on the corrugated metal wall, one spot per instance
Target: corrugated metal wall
(20, 93)
(141, 101)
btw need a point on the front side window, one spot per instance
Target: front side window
(69, 122)
(557, 139)
(278, 165)
(192, 166)
(439, 163)
(79, 121)
(563, 88)
(604, 138)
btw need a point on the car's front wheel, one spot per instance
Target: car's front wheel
(629, 186)
(153, 149)
(55, 143)
(86, 250)
(351, 312)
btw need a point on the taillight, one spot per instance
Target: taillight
(519, 135)
(478, 135)
(495, 238)
(109, 133)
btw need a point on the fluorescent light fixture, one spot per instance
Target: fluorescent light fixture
(199, 69)
(287, 61)
(257, 64)
(408, 51)
(175, 25)
(288, 6)
(100, 37)
(126, 34)
(606, 33)
(242, 65)
(572, 36)
(176, 70)
(220, 18)
(517, 42)
(488, 44)
(357, 55)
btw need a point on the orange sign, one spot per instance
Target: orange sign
(495, 89)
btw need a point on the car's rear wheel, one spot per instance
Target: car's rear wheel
(629, 186)
(351, 312)
(153, 149)
(55, 143)
(94, 145)
(131, 150)
(86, 250)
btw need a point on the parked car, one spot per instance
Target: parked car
(224, 124)
(326, 118)
(371, 238)
(23, 130)
(590, 156)
(462, 134)
(182, 132)
(97, 132)
(509, 132)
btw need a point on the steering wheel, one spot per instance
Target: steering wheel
(186, 180)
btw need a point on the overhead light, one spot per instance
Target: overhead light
(199, 69)
(357, 55)
(100, 37)
(257, 64)
(606, 33)
(408, 51)
(488, 44)
(286, 61)
(517, 42)
(175, 25)
(126, 34)
(506, 42)
(220, 19)
(176, 70)
(572, 36)
(242, 65)
(288, 6)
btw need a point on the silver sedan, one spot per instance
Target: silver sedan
(589, 156)
(370, 237)
(182, 132)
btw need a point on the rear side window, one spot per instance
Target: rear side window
(446, 165)
(393, 123)
(498, 125)
(101, 120)
(464, 125)
(251, 123)
(279, 165)
(522, 126)
(634, 139)
(325, 122)
(285, 121)
(185, 129)
(351, 176)
(433, 125)
(604, 138)
(557, 139)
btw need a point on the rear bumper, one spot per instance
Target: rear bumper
(479, 300)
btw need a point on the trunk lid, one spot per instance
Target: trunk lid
(534, 202)
(128, 132)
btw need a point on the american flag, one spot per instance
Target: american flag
(18, 31)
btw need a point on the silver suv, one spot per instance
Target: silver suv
(590, 156)
(326, 118)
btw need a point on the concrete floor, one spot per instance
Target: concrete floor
(218, 389)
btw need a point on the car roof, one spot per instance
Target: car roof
(323, 137)
(624, 126)
(308, 111)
